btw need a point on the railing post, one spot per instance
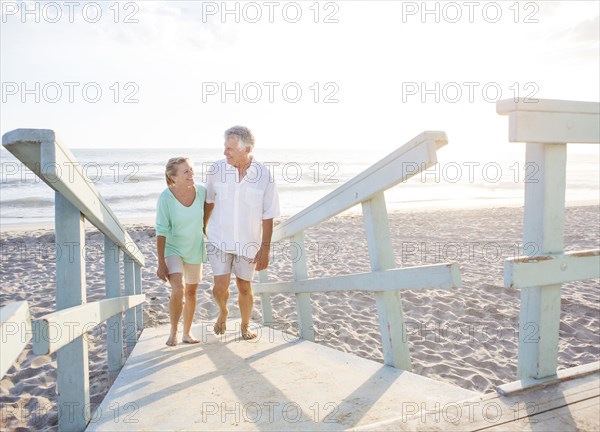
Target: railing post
(139, 311)
(303, 306)
(114, 325)
(265, 300)
(130, 314)
(389, 303)
(72, 360)
(543, 231)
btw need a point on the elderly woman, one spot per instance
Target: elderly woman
(180, 242)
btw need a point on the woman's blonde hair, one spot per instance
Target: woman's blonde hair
(171, 168)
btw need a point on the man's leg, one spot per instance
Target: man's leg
(246, 301)
(175, 305)
(189, 308)
(221, 295)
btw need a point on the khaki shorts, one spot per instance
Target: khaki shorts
(192, 273)
(223, 263)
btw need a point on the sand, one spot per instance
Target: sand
(466, 336)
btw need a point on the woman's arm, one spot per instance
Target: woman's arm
(162, 271)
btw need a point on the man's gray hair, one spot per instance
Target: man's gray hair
(242, 134)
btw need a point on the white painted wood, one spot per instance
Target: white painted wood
(551, 121)
(275, 383)
(41, 151)
(543, 228)
(54, 332)
(562, 375)
(436, 276)
(72, 361)
(554, 127)
(139, 311)
(130, 314)
(410, 159)
(507, 106)
(303, 306)
(523, 272)
(15, 333)
(265, 299)
(377, 229)
(389, 304)
(114, 326)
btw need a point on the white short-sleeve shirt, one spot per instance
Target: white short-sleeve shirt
(235, 225)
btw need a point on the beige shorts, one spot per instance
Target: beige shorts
(192, 273)
(223, 263)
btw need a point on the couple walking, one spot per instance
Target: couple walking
(235, 211)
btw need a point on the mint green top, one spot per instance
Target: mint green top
(182, 226)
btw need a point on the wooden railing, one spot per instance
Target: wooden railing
(63, 331)
(384, 280)
(546, 126)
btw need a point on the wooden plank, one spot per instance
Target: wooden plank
(265, 300)
(522, 272)
(524, 411)
(543, 229)
(576, 416)
(507, 106)
(389, 304)
(41, 151)
(562, 375)
(437, 276)
(114, 324)
(56, 330)
(15, 331)
(130, 314)
(72, 360)
(550, 127)
(303, 306)
(410, 159)
(532, 410)
(139, 311)
(271, 383)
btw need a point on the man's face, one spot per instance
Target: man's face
(234, 155)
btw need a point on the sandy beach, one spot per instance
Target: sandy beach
(467, 336)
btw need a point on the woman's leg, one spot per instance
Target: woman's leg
(189, 308)
(175, 305)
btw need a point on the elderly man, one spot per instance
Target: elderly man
(242, 194)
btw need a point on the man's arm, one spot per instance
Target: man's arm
(262, 257)
(208, 208)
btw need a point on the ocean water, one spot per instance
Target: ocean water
(130, 180)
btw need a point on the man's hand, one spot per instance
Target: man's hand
(162, 271)
(262, 258)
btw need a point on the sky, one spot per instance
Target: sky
(306, 74)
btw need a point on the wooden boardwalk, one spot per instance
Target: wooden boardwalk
(567, 405)
(278, 383)
(283, 383)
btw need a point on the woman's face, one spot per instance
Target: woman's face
(185, 174)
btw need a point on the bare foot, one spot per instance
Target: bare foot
(190, 340)
(172, 341)
(220, 327)
(247, 334)
(221, 324)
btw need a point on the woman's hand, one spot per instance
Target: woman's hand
(162, 271)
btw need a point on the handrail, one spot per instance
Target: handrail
(77, 199)
(396, 167)
(41, 151)
(15, 331)
(384, 280)
(546, 126)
